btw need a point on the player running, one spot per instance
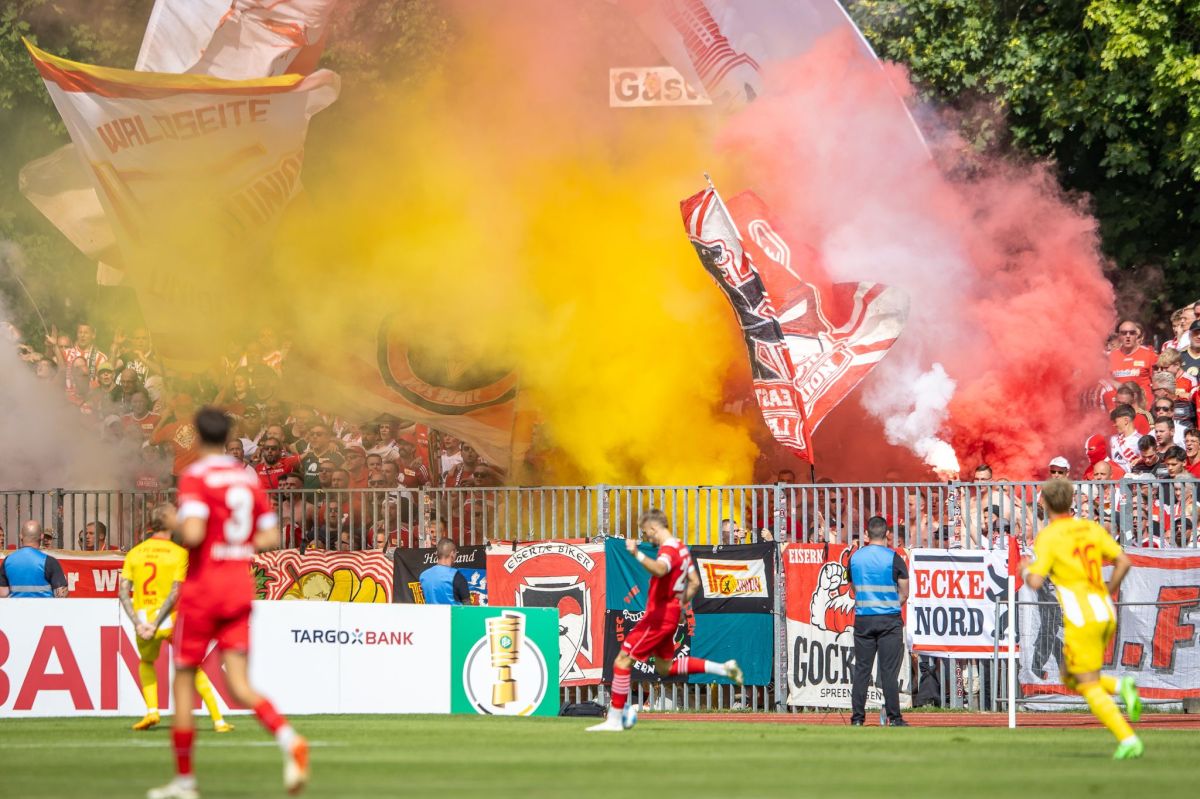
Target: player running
(1072, 552)
(673, 583)
(150, 581)
(224, 517)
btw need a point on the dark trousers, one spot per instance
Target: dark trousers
(885, 635)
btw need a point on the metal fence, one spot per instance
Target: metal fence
(1159, 513)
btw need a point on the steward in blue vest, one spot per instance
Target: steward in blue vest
(30, 572)
(442, 584)
(880, 579)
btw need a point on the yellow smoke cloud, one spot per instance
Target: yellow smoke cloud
(524, 223)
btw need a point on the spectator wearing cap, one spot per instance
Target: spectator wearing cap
(1059, 467)
(29, 571)
(1189, 359)
(356, 466)
(99, 398)
(1131, 360)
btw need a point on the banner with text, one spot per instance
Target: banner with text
(409, 563)
(1157, 641)
(568, 577)
(952, 601)
(89, 576)
(820, 630)
(715, 627)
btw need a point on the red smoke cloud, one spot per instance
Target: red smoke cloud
(1004, 272)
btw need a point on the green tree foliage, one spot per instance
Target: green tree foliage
(1109, 89)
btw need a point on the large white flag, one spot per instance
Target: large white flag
(239, 40)
(236, 39)
(192, 173)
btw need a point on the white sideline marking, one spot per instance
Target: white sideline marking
(155, 744)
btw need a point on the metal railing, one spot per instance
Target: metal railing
(1162, 513)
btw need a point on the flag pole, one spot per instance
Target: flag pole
(1013, 561)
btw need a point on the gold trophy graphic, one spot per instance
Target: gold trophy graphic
(505, 633)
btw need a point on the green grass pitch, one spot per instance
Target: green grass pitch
(499, 758)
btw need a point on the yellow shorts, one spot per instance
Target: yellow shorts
(1084, 645)
(148, 650)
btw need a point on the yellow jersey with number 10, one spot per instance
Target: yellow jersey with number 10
(153, 566)
(1072, 554)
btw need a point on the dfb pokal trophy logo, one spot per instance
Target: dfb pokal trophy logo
(505, 634)
(505, 673)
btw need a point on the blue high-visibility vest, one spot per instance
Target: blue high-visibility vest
(25, 570)
(875, 589)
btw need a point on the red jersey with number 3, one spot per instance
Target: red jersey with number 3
(665, 592)
(218, 488)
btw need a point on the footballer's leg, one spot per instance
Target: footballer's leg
(690, 665)
(621, 682)
(192, 634)
(1083, 651)
(182, 736)
(293, 746)
(208, 695)
(147, 656)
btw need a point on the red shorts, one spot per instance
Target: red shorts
(652, 637)
(202, 620)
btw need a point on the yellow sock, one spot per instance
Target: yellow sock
(149, 685)
(208, 695)
(1109, 684)
(1104, 708)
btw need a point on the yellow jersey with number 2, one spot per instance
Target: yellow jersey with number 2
(153, 566)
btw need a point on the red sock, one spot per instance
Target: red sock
(687, 666)
(620, 687)
(268, 715)
(183, 751)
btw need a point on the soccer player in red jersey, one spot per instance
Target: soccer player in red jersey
(673, 583)
(224, 518)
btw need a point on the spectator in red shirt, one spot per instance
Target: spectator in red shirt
(274, 465)
(1096, 449)
(180, 434)
(1131, 360)
(413, 473)
(461, 472)
(1191, 445)
(356, 466)
(85, 348)
(1130, 393)
(139, 415)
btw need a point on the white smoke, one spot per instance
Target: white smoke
(913, 417)
(48, 442)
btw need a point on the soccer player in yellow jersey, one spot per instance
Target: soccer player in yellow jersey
(1072, 552)
(150, 582)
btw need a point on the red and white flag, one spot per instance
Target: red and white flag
(713, 233)
(835, 332)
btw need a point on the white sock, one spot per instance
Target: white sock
(615, 713)
(713, 667)
(186, 781)
(284, 736)
(1130, 739)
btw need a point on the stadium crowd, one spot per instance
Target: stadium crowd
(313, 461)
